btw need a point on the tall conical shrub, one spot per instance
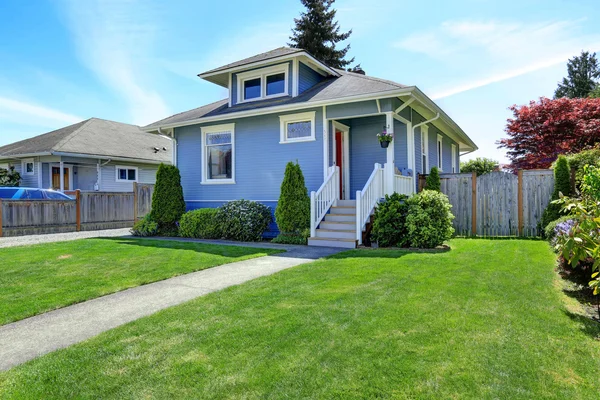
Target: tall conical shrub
(293, 209)
(433, 180)
(167, 200)
(562, 184)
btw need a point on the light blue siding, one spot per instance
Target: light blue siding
(339, 111)
(234, 87)
(400, 145)
(365, 150)
(45, 176)
(86, 177)
(307, 77)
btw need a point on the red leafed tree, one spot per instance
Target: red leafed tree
(542, 130)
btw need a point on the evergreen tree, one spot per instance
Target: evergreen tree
(583, 74)
(596, 92)
(293, 208)
(433, 180)
(318, 33)
(167, 200)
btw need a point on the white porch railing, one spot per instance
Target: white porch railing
(403, 184)
(324, 198)
(367, 198)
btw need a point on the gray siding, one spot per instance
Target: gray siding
(45, 175)
(307, 78)
(108, 179)
(27, 180)
(86, 177)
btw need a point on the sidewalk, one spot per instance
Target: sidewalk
(60, 237)
(30, 338)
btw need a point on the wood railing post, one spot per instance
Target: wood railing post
(520, 201)
(474, 204)
(0, 217)
(78, 209)
(135, 202)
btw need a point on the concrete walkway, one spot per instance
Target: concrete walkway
(30, 338)
(60, 237)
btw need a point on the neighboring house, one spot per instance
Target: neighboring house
(94, 154)
(284, 105)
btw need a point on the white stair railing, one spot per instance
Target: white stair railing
(322, 200)
(367, 199)
(403, 184)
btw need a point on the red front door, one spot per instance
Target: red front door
(339, 159)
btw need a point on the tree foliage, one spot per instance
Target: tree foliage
(389, 221)
(595, 94)
(9, 177)
(562, 185)
(542, 130)
(583, 73)
(318, 33)
(293, 208)
(479, 165)
(433, 180)
(167, 200)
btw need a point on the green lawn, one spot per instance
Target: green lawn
(40, 278)
(487, 320)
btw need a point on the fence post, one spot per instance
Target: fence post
(0, 217)
(520, 200)
(78, 209)
(135, 202)
(474, 203)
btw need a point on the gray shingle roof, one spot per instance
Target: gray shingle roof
(97, 137)
(347, 85)
(279, 52)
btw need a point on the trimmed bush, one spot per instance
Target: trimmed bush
(562, 184)
(200, 224)
(167, 200)
(429, 220)
(244, 220)
(433, 180)
(579, 160)
(293, 208)
(389, 224)
(145, 227)
(301, 238)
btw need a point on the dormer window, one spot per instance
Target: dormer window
(264, 83)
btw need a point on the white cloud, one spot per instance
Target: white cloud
(34, 114)
(114, 39)
(492, 51)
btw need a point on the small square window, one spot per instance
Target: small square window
(126, 174)
(297, 127)
(27, 167)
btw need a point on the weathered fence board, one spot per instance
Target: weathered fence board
(497, 211)
(87, 211)
(538, 186)
(458, 189)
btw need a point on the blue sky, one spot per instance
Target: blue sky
(136, 61)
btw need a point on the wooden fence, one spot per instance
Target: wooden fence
(498, 203)
(87, 211)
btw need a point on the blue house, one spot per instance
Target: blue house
(285, 105)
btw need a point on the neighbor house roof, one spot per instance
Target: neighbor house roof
(95, 137)
(348, 84)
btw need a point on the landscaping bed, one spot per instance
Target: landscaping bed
(40, 278)
(485, 320)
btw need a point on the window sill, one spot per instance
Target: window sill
(219, 182)
(298, 141)
(273, 96)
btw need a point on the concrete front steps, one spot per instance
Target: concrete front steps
(338, 228)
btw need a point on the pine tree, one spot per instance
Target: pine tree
(167, 200)
(293, 208)
(583, 74)
(318, 33)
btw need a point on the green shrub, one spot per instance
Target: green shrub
(293, 208)
(286, 238)
(244, 220)
(389, 224)
(200, 224)
(579, 160)
(145, 227)
(9, 177)
(433, 180)
(429, 220)
(167, 200)
(562, 184)
(479, 165)
(550, 229)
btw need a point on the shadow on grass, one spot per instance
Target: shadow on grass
(589, 326)
(373, 253)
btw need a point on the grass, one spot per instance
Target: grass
(485, 320)
(40, 278)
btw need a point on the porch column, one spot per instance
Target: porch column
(98, 176)
(390, 166)
(62, 176)
(325, 144)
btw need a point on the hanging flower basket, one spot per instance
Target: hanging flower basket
(385, 138)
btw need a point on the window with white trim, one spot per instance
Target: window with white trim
(264, 83)
(439, 151)
(454, 165)
(126, 173)
(28, 167)
(425, 148)
(218, 154)
(296, 128)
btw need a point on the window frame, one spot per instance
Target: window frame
(454, 166)
(125, 167)
(24, 163)
(262, 74)
(425, 147)
(285, 120)
(440, 151)
(205, 130)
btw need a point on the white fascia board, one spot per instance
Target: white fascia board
(25, 155)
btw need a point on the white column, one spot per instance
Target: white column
(39, 174)
(325, 143)
(390, 165)
(62, 176)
